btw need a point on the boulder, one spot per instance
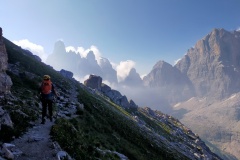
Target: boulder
(66, 73)
(6, 149)
(93, 82)
(5, 119)
(5, 83)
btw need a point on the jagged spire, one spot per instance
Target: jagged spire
(0, 32)
(5, 80)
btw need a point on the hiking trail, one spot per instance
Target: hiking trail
(36, 143)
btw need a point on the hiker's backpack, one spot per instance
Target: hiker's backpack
(46, 90)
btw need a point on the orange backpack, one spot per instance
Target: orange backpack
(46, 87)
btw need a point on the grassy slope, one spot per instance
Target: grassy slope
(24, 107)
(104, 127)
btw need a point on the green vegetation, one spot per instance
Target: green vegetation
(161, 128)
(106, 127)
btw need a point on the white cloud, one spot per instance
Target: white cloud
(123, 69)
(142, 76)
(70, 48)
(176, 61)
(114, 65)
(83, 52)
(34, 48)
(107, 82)
(238, 29)
(96, 52)
(81, 79)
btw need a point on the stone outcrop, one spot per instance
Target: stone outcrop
(5, 85)
(5, 80)
(117, 97)
(93, 82)
(66, 73)
(5, 119)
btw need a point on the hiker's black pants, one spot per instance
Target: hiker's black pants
(46, 104)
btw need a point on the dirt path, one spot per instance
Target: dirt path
(36, 143)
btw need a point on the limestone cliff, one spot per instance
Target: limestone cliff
(5, 80)
(213, 64)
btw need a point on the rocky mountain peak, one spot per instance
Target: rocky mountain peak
(91, 56)
(59, 47)
(109, 73)
(170, 82)
(104, 62)
(162, 64)
(213, 64)
(161, 74)
(133, 79)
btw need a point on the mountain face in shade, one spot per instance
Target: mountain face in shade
(108, 72)
(59, 57)
(5, 80)
(133, 79)
(172, 84)
(88, 65)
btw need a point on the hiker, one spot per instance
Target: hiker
(47, 93)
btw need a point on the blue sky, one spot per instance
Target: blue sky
(143, 31)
